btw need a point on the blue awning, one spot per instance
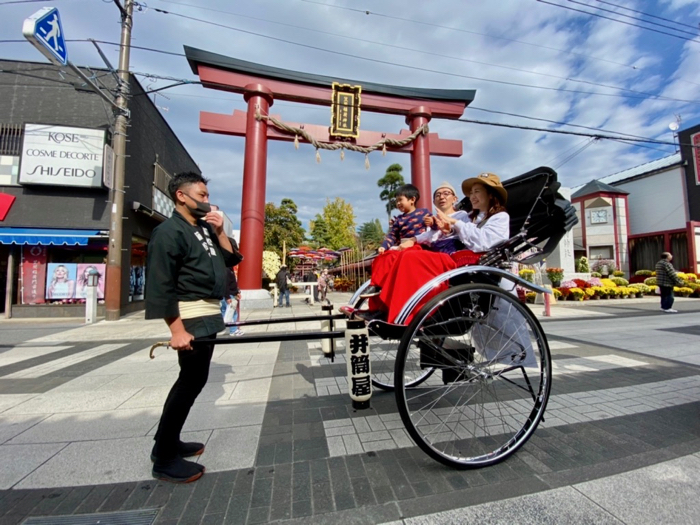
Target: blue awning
(35, 236)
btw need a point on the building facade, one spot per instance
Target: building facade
(603, 225)
(634, 215)
(55, 180)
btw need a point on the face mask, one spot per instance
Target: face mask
(200, 210)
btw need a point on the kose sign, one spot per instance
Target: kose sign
(62, 156)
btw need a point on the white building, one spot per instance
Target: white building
(634, 215)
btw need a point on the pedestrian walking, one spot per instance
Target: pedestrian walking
(283, 280)
(666, 279)
(186, 278)
(322, 285)
(227, 303)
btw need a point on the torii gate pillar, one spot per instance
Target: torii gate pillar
(259, 99)
(420, 154)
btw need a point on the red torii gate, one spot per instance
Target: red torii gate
(262, 85)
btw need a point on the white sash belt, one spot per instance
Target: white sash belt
(199, 308)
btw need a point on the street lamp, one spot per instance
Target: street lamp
(673, 126)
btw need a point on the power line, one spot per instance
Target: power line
(430, 53)
(576, 153)
(622, 141)
(406, 66)
(553, 122)
(576, 133)
(631, 139)
(621, 136)
(422, 22)
(618, 21)
(643, 13)
(634, 18)
(645, 95)
(22, 2)
(549, 162)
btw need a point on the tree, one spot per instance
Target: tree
(340, 221)
(282, 225)
(371, 234)
(391, 181)
(319, 231)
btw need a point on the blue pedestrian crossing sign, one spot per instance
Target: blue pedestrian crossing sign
(44, 30)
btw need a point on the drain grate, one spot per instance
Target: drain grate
(129, 517)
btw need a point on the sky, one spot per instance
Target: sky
(553, 65)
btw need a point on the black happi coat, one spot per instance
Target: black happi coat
(185, 263)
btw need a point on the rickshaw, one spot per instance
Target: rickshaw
(471, 371)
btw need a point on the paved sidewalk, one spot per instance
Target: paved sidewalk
(79, 406)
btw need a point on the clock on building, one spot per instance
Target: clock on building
(599, 216)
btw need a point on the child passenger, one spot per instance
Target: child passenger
(400, 236)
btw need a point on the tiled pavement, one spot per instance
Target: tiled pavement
(77, 416)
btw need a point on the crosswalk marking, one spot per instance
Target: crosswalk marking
(19, 354)
(594, 363)
(559, 345)
(330, 386)
(64, 362)
(363, 434)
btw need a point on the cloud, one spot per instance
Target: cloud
(500, 49)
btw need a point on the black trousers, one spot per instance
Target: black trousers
(666, 297)
(194, 372)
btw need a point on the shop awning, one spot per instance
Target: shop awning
(41, 236)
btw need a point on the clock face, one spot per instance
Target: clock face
(599, 216)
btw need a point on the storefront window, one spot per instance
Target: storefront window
(137, 275)
(57, 274)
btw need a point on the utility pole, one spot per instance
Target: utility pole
(116, 225)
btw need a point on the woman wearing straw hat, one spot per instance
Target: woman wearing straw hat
(479, 230)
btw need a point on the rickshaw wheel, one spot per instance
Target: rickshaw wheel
(493, 376)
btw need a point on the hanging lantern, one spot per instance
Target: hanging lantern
(358, 364)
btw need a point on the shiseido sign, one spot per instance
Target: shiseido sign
(62, 156)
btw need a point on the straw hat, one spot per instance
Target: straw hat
(487, 179)
(444, 185)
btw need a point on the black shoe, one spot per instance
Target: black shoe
(371, 291)
(177, 470)
(189, 449)
(184, 450)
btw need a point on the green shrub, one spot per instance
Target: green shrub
(596, 274)
(554, 274)
(651, 281)
(618, 273)
(619, 281)
(644, 273)
(582, 265)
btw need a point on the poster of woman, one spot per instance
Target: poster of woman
(84, 270)
(60, 280)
